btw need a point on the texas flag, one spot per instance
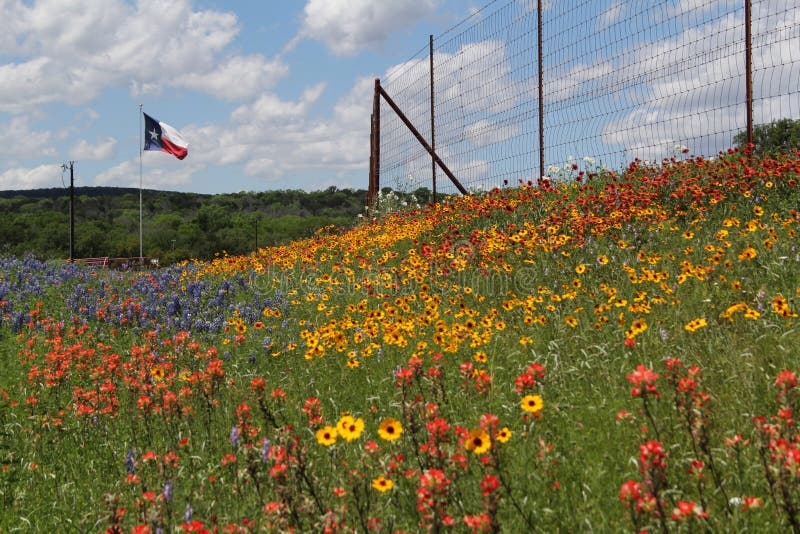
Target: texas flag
(161, 136)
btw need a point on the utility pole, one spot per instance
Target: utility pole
(71, 209)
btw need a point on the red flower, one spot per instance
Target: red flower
(687, 509)
(630, 491)
(489, 484)
(258, 384)
(786, 380)
(643, 377)
(195, 526)
(751, 502)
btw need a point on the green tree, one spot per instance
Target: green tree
(778, 136)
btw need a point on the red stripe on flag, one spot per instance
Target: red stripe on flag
(171, 148)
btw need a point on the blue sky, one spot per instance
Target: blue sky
(236, 77)
(276, 94)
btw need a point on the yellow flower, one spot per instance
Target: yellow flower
(750, 313)
(478, 441)
(748, 254)
(695, 324)
(326, 436)
(637, 327)
(571, 321)
(532, 403)
(390, 429)
(157, 373)
(382, 484)
(480, 357)
(503, 435)
(350, 428)
(580, 269)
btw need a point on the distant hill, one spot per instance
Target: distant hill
(55, 192)
(176, 225)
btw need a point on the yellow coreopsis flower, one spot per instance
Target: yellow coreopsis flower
(503, 435)
(532, 403)
(350, 428)
(478, 441)
(157, 373)
(390, 429)
(382, 484)
(695, 324)
(748, 254)
(326, 436)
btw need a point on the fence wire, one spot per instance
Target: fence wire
(622, 79)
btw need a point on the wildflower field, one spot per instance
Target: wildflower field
(604, 351)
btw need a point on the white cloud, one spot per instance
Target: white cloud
(72, 50)
(84, 150)
(269, 107)
(19, 140)
(31, 178)
(237, 78)
(349, 26)
(165, 176)
(274, 138)
(355, 107)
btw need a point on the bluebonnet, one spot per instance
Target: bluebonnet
(130, 462)
(168, 490)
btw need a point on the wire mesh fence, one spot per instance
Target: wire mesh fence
(621, 79)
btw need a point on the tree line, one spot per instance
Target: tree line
(176, 225)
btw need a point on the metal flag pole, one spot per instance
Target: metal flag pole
(141, 149)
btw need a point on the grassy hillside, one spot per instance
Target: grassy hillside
(613, 352)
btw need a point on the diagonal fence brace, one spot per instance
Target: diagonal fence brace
(421, 140)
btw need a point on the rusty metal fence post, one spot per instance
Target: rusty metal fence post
(375, 148)
(541, 90)
(748, 62)
(433, 123)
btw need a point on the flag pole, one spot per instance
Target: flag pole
(141, 149)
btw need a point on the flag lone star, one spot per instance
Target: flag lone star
(161, 136)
